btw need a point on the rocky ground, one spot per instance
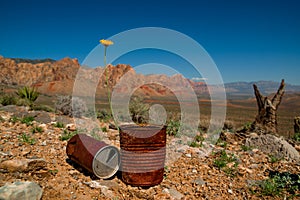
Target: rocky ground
(231, 171)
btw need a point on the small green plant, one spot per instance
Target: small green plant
(277, 184)
(296, 137)
(139, 110)
(28, 93)
(197, 142)
(53, 171)
(26, 139)
(36, 129)
(194, 144)
(269, 187)
(273, 159)
(104, 129)
(14, 119)
(59, 125)
(199, 138)
(222, 143)
(173, 127)
(223, 160)
(8, 100)
(247, 126)
(27, 120)
(66, 135)
(246, 148)
(166, 172)
(103, 115)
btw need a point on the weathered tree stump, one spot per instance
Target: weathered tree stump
(266, 119)
(297, 125)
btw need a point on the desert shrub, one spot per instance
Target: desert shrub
(59, 125)
(197, 142)
(73, 107)
(221, 143)
(278, 184)
(28, 93)
(103, 115)
(23, 102)
(223, 160)
(228, 125)
(36, 129)
(27, 120)
(173, 127)
(246, 148)
(66, 135)
(8, 100)
(26, 139)
(274, 159)
(296, 137)
(14, 119)
(138, 110)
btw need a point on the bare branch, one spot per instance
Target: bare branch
(259, 98)
(278, 96)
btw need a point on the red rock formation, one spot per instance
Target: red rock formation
(58, 78)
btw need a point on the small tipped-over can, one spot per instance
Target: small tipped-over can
(96, 156)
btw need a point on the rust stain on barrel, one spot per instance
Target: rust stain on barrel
(143, 152)
(82, 149)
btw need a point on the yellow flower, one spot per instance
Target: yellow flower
(106, 43)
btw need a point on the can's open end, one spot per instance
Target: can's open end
(106, 162)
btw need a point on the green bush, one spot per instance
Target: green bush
(197, 142)
(103, 115)
(23, 102)
(59, 125)
(27, 120)
(28, 93)
(26, 139)
(277, 184)
(223, 160)
(221, 143)
(246, 148)
(14, 119)
(273, 159)
(296, 137)
(66, 135)
(8, 100)
(173, 127)
(139, 110)
(36, 129)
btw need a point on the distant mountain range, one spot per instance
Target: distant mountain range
(58, 77)
(265, 87)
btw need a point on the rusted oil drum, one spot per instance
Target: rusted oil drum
(143, 152)
(96, 156)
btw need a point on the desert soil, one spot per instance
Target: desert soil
(192, 176)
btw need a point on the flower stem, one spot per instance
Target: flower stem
(108, 89)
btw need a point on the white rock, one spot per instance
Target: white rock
(188, 155)
(21, 190)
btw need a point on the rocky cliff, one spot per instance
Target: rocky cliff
(59, 77)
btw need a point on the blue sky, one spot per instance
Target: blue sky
(248, 40)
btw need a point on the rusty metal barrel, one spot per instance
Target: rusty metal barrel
(95, 156)
(143, 152)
